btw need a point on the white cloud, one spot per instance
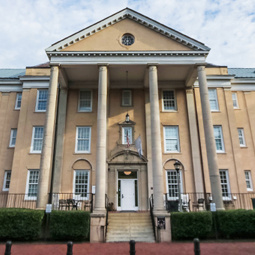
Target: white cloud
(27, 27)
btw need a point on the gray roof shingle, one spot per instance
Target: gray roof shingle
(11, 73)
(242, 72)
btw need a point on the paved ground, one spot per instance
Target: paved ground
(207, 248)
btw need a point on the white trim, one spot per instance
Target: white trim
(36, 85)
(11, 137)
(235, 100)
(91, 101)
(178, 139)
(130, 97)
(226, 198)
(76, 140)
(243, 144)
(5, 179)
(10, 88)
(221, 138)
(27, 185)
(167, 188)
(175, 101)
(215, 98)
(16, 102)
(32, 140)
(37, 100)
(88, 184)
(249, 180)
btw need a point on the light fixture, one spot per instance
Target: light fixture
(127, 117)
(127, 172)
(177, 165)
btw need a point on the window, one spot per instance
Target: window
(13, 137)
(41, 101)
(83, 135)
(32, 184)
(37, 140)
(128, 39)
(213, 99)
(225, 188)
(169, 102)
(235, 102)
(7, 180)
(85, 101)
(81, 184)
(18, 101)
(172, 184)
(248, 180)
(126, 98)
(171, 139)
(218, 139)
(241, 137)
(127, 135)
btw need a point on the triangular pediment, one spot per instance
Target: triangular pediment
(106, 36)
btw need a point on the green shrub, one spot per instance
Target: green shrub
(20, 224)
(191, 225)
(73, 225)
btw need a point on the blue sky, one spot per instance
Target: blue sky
(28, 27)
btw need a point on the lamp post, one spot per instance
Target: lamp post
(177, 166)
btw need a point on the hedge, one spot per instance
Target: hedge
(20, 224)
(73, 225)
(191, 224)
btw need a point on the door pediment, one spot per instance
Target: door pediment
(127, 157)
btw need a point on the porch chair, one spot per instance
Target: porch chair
(185, 202)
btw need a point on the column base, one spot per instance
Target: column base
(162, 226)
(97, 226)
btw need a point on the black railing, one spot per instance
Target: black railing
(107, 211)
(10, 200)
(151, 202)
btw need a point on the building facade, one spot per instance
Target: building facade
(115, 107)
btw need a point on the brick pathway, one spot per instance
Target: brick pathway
(227, 248)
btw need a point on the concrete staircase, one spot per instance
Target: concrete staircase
(126, 226)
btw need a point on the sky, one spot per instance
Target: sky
(28, 27)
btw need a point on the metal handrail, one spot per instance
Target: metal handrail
(151, 202)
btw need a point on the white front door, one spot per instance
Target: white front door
(128, 195)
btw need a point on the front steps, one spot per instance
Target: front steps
(126, 226)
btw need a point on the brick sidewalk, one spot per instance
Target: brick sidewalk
(227, 248)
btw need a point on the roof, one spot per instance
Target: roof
(242, 72)
(43, 65)
(11, 73)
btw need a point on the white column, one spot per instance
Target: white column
(101, 140)
(48, 141)
(156, 151)
(209, 140)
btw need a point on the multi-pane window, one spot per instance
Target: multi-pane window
(248, 180)
(126, 98)
(32, 184)
(81, 183)
(172, 184)
(241, 137)
(13, 137)
(37, 140)
(83, 135)
(41, 102)
(234, 98)
(7, 180)
(127, 135)
(171, 139)
(225, 187)
(85, 101)
(218, 138)
(18, 101)
(169, 102)
(213, 99)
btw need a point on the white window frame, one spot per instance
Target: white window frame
(76, 140)
(13, 136)
(174, 100)
(221, 139)
(130, 135)
(214, 99)
(6, 180)
(167, 184)
(130, 97)
(235, 100)
(225, 198)
(18, 99)
(173, 138)
(75, 196)
(248, 179)
(32, 141)
(87, 109)
(37, 100)
(27, 197)
(241, 137)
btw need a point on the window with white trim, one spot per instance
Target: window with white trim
(7, 180)
(83, 139)
(225, 186)
(169, 101)
(85, 101)
(248, 180)
(241, 137)
(171, 139)
(235, 101)
(13, 137)
(213, 99)
(126, 98)
(37, 140)
(41, 100)
(127, 135)
(18, 101)
(218, 139)
(81, 184)
(32, 184)
(172, 184)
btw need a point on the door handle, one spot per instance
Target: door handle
(122, 196)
